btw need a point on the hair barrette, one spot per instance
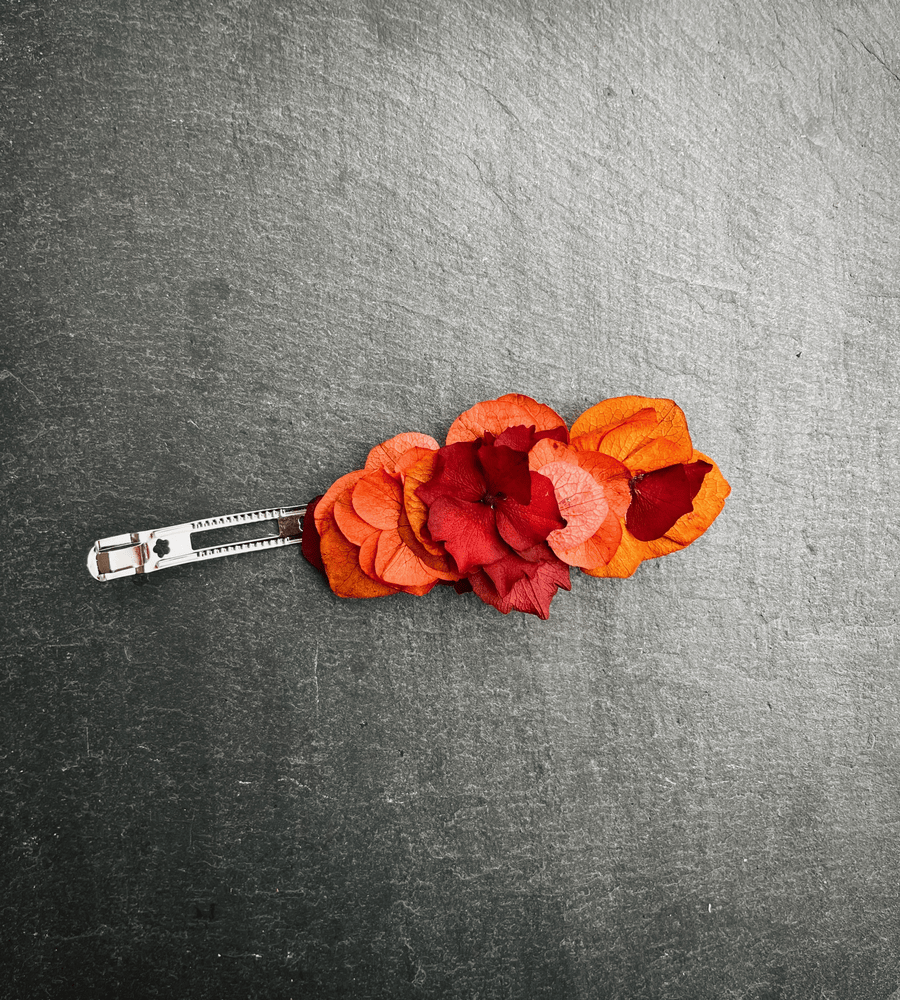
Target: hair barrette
(511, 502)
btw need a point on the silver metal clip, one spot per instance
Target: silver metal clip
(148, 551)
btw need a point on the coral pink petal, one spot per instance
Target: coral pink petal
(581, 503)
(598, 549)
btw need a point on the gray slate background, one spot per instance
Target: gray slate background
(245, 242)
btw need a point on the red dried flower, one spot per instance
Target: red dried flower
(509, 503)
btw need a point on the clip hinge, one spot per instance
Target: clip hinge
(147, 551)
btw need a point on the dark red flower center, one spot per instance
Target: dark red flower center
(492, 499)
(483, 501)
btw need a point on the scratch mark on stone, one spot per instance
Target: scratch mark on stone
(316, 677)
(877, 57)
(872, 53)
(491, 187)
(6, 373)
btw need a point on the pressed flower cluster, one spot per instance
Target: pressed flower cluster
(513, 500)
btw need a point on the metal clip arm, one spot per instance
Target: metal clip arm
(148, 551)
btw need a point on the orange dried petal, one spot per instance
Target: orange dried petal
(352, 526)
(367, 557)
(325, 508)
(397, 564)
(629, 555)
(612, 413)
(387, 454)
(495, 415)
(643, 433)
(409, 458)
(377, 498)
(439, 565)
(346, 578)
(340, 557)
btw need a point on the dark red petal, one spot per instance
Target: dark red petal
(506, 572)
(520, 437)
(532, 594)
(538, 553)
(310, 545)
(515, 566)
(468, 531)
(658, 500)
(457, 474)
(523, 438)
(524, 526)
(695, 473)
(556, 434)
(505, 472)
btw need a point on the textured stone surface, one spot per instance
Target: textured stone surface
(246, 242)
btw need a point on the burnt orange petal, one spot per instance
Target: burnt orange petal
(708, 504)
(611, 413)
(643, 433)
(344, 574)
(495, 415)
(629, 555)
(387, 454)
(377, 499)
(416, 509)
